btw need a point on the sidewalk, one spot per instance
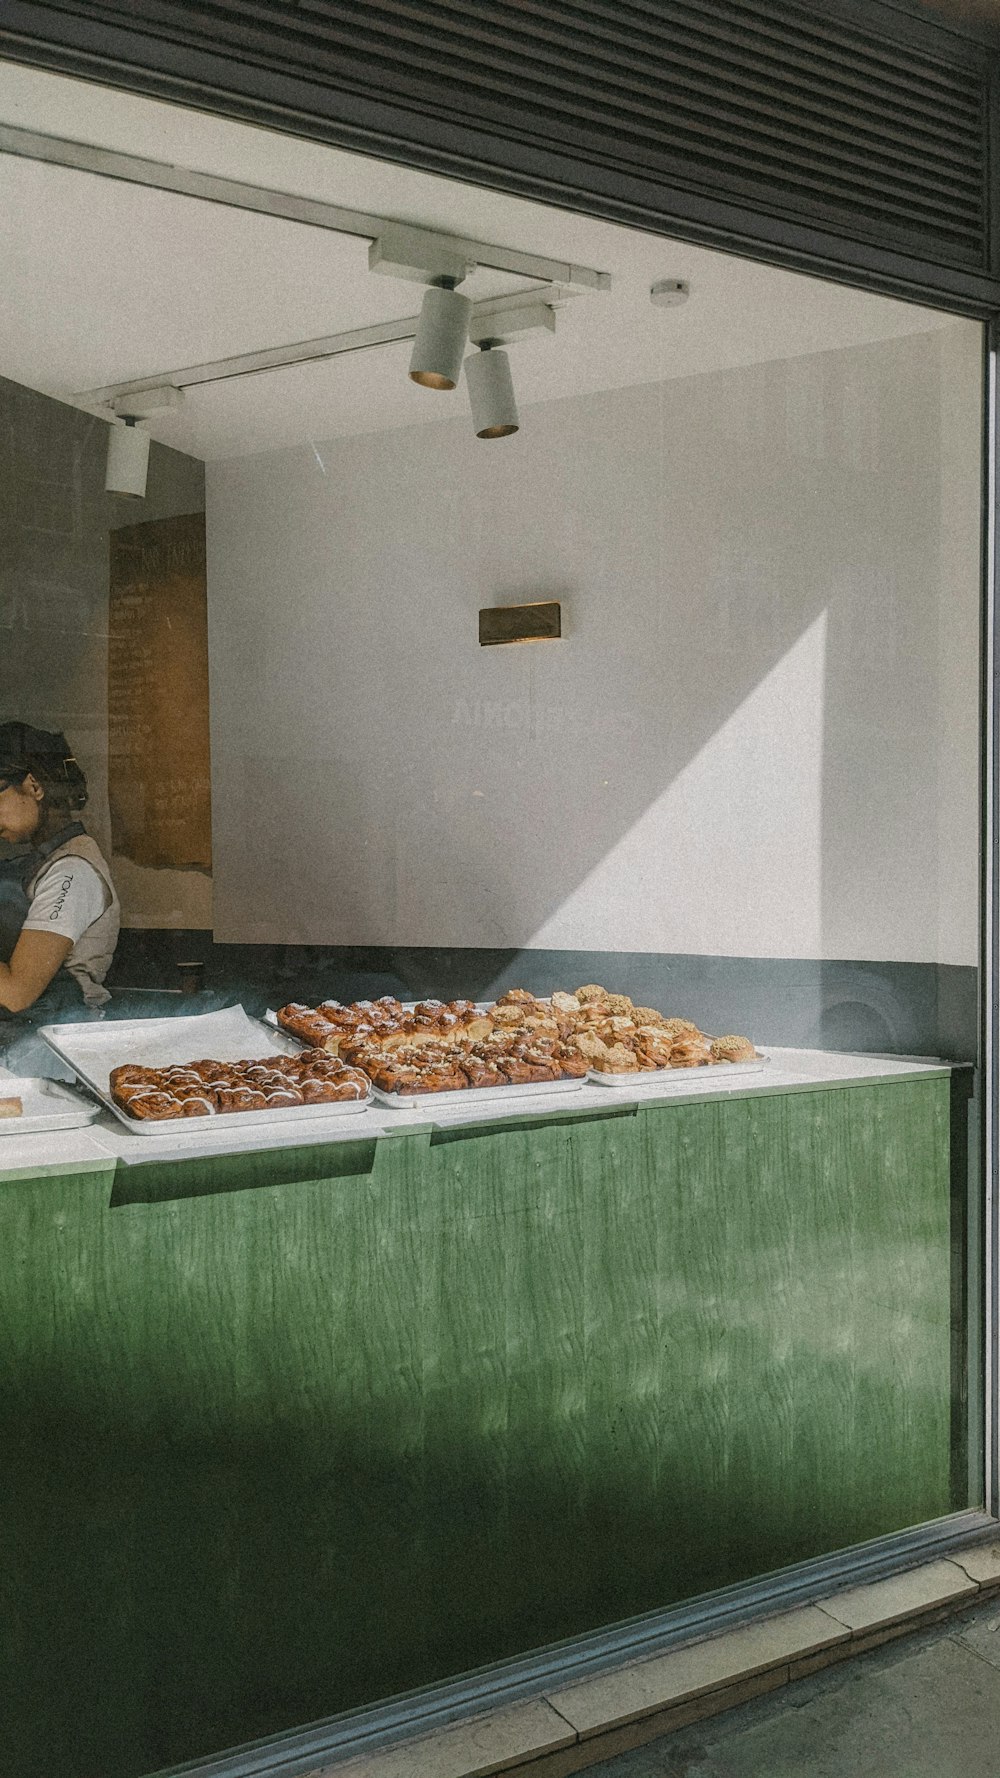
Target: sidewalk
(927, 1706)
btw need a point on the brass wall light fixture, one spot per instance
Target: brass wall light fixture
(539, 622)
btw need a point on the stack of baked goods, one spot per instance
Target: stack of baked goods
(207, 1089)
(618, 1037)
(329, 1025)
(437, 1046)
(504, 1058)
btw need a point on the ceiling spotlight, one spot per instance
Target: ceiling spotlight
(442, 331)
(128, 445)
(491, 393)
(128, 459)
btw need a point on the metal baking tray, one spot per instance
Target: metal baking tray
(48, 1105)
(92, 1050)
(529, 1089)
(678, 1077)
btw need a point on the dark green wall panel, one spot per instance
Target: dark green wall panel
(283, 1436)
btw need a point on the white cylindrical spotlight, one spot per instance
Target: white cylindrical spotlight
(128, 459)
(491, 393)
(442, 331)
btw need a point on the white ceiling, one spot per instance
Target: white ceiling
(102, 282)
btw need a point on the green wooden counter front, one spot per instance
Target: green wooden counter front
(289, 1432)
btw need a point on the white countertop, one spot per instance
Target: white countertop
(107, 1141)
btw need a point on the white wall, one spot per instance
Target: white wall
(758, 737)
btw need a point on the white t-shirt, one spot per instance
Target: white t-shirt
(68, 898)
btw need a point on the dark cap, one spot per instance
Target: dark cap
(23, 748)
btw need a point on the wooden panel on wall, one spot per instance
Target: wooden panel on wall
(159, 781)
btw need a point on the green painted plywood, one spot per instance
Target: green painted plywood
(283, 1436)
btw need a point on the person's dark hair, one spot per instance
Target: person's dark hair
(46, 755)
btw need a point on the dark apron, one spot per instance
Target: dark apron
(21, 1049)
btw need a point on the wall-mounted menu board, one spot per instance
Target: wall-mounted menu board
(159, 783)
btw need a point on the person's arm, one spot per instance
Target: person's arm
(36, 958)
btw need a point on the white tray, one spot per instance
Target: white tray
(678, 1077)
(529, 1089)
(48, 1105)
(92, 1050)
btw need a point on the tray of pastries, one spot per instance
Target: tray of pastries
(628, 1045)
(457, 1050)
(521, 1042)
(223, 1066)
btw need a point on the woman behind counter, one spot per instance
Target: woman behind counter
(59, 913)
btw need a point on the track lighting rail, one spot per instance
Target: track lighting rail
(109, 163)
(491, 314)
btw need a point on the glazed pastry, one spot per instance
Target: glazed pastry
(542, 1066)
(240, 1098)
(653, 1049)
(130, 1073)
(351, 1085)
(152, 1105)
(572, 1065)
(590, 992)
(191, 1104)
(678, 1027)
(515, 1070)
(481, 1073)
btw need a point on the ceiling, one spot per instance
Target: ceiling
(102, 281)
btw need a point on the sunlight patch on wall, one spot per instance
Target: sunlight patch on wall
(728, 861)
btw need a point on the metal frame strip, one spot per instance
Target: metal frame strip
(369, 125)
(990, 969)
(306, 1751)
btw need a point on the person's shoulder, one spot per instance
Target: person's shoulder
(67, 864)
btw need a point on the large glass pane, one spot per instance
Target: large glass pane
(303, 1417)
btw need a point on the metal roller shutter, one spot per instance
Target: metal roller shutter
(852, 117)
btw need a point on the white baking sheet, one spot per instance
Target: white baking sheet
(678, 1077)
(48, 1105)
(92, 1050)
